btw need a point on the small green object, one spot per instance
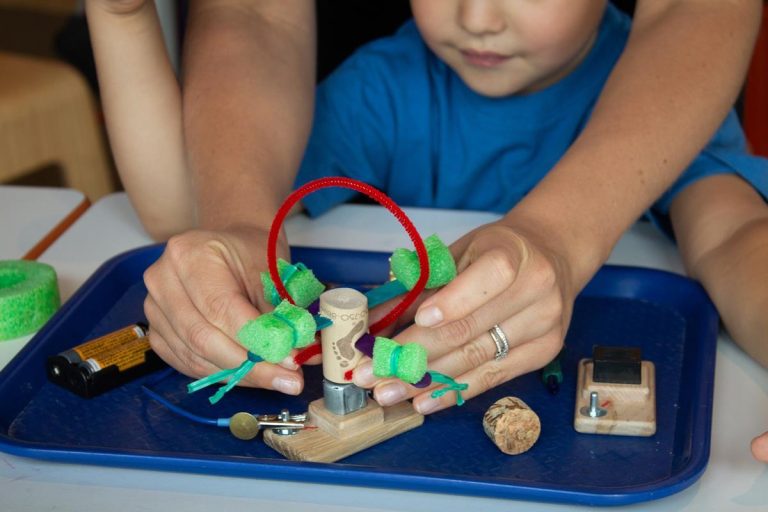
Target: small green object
(385, 292)
(406, 362)
(450, 385)
(300, 282)
(273, 335)
(234, 375)
(552, 374)
(442, 267)
(554, 370)
(29, 296)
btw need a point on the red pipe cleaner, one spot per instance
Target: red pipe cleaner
(382, 199)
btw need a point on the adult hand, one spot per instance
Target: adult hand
(508, 277)
(202, 290)
(120, 6)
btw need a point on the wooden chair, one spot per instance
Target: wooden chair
(48, 116)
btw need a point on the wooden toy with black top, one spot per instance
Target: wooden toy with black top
(615, 393)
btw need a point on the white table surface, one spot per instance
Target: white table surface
(732, 481)
(27, 215)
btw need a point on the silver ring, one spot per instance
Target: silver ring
(501, 342)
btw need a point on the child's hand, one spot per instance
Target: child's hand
(506, 278)
(760, 447)
(201, 292)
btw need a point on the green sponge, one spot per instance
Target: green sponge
(273, 335)
(442, 269)
(410, 363)
(29, 295)
(300, 282)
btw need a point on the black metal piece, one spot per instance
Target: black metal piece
(616, 365)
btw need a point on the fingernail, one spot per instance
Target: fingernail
(390, 394)
(363, 375)
(429, 316)
(427, 406)
(289, 363)
(287, 386)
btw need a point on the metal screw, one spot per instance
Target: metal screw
(593, 410)
(284, 417)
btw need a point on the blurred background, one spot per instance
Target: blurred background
(51, 129)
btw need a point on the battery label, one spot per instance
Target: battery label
(109, 342)
(124, 357)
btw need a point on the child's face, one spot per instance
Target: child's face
(504, 47)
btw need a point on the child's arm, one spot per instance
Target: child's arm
(760, 447)
(142, 106)
(721, 225)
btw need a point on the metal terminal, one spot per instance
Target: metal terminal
(246, 426)
(593, 410)
(300, 418)
(343, 399)
(284, 426)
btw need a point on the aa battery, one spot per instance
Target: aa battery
(61, 364)
(123, 357)
(104, 363)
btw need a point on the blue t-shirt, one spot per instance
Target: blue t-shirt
(395, 116)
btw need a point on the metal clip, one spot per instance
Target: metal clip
(284, 415)
(246, 426)
(286, 424)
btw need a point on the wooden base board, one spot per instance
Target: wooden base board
(340, 436)
(631, 408)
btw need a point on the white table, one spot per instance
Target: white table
(28, 214)
(732, 481)
(29, 219)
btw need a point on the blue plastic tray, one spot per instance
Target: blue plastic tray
(669, 316)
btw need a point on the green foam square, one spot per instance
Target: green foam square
(442, 267)
(300, 282)
(271, 335)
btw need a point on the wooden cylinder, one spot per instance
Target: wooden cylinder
(512, 425)
(348, 310)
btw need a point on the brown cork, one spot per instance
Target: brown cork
(512, 425)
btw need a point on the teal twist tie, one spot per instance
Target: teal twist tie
(394, 359)
(451, 385)
(285, 277)
(322, 322)
(236, 375)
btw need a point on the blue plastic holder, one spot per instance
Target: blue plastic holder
(668, 316)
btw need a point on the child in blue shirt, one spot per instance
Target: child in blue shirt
(437, 122)
(470, 107)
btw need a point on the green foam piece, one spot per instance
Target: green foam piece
(301, 283)
(382, 353)
(29, 296)
(271, 336)
(442, 268)
(411, 363)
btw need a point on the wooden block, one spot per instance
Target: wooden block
(630, 408)
(340, 426)
(340, 436)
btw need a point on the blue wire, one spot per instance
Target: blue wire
(217, 422)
